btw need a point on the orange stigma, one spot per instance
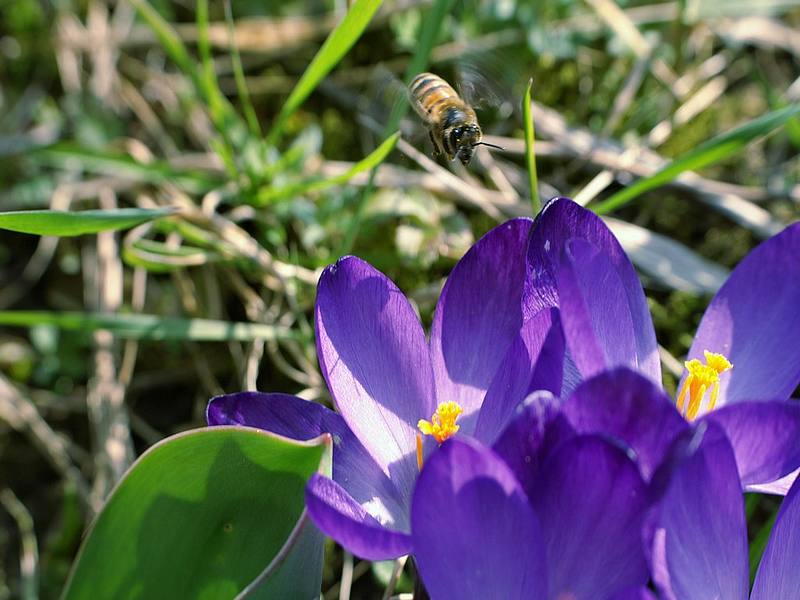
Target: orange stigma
(442, 425)
(701, 379)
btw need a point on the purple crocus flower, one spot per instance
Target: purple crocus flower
(390, 385)
(698, 532)
(573, 531)
(752, 325)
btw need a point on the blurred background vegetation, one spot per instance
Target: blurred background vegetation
(105, 105)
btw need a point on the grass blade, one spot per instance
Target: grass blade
(530, 152)
(118, 164)
(238, 74)
(372, 160)
(226, 121)
(429, 32)
(149, 327)
(705, 154)
(335, 47)
(67, 224)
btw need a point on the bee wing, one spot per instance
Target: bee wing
(485, 80)
(383, 91)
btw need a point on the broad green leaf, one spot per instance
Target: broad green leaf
(64, 224)
(705, 154)
(200, 515)
(118, 164)
(148, 327)
(335, 47)
(376, 157)
(530, 152)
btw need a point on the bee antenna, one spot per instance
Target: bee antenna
(487, 144)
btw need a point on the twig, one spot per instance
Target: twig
(397, 570)
(105, 397)
(29, 549)
(346, 580)
(21, 414)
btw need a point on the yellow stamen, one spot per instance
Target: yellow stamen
(419, 452)
(442, 425)
(700, 379)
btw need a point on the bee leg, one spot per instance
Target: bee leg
(436, 150)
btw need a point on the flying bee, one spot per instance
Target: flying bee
(452, 123)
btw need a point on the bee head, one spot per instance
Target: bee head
(463, 140)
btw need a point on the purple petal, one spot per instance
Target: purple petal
(591, 502)
(754, 321)
(474, 532)
(597, 322)
(779, 487)
(535, 429)
(373, 354)
(340, 517)
(765, 437)
(479, 314)
(634, 593)
(353, 467)
(561, 220)
(533, 362)
(778, 575)
(699, 539)
(587, 477)
(628, 406)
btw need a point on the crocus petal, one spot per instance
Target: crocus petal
(699, 537)
(479, 314)
(635, 593)
(340, 517)
(779, 487)
(755, 322)
(765, 437)
(630, 407)
(598, 324)
(474, 532)
(373, 354)
(533, 362)
(591, 502)
(353, 467)
(778, 575)
(561, 220)
(535, 429)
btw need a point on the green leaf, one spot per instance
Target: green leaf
(376, 157)
(148, 327)
(530, 152)
(118, 164)
(64, 224)
(200, 515)
(335, 47)
(161, 258)
(705, 154)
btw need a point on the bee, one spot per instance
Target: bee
(452, 122)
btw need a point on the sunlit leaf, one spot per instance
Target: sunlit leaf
(65, 224)
(200, 515)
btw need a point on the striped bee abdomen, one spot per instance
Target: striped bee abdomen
(429, 93)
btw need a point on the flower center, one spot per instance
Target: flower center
(442, 425)
(701, 378)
